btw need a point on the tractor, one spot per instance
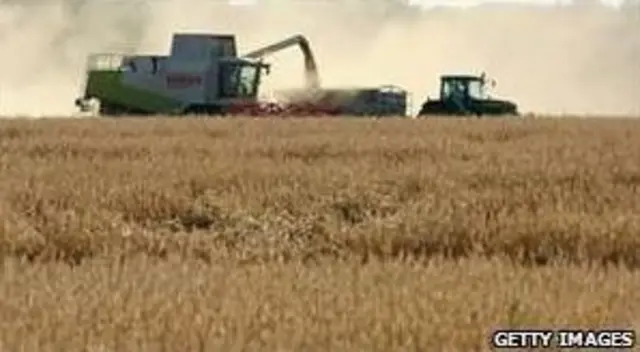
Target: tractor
(466, 95)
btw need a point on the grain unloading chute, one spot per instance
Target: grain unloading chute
(312, 81)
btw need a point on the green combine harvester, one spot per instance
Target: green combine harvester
(204, 75)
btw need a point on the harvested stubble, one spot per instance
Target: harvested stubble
(192, 234)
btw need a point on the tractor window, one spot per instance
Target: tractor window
(453, 89)
(239, 80)
(476, 90)
(446, 90)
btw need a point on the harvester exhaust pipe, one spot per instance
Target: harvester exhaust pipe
(312, 81)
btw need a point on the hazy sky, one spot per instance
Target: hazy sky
(476, 2)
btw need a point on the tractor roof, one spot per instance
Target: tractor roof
(461, 77)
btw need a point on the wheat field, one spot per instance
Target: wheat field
(314, 234)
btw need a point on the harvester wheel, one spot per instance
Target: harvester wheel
(110, 110)
(117, 110)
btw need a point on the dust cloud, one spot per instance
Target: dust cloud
(562, 60)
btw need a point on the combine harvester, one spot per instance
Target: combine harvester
(204, 75)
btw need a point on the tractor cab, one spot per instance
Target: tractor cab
(461, 89)
(466, 95)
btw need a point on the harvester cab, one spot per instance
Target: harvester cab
(465, 95)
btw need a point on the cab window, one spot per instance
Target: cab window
(239, 80)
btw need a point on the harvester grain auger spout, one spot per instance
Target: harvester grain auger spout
(312, 81)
